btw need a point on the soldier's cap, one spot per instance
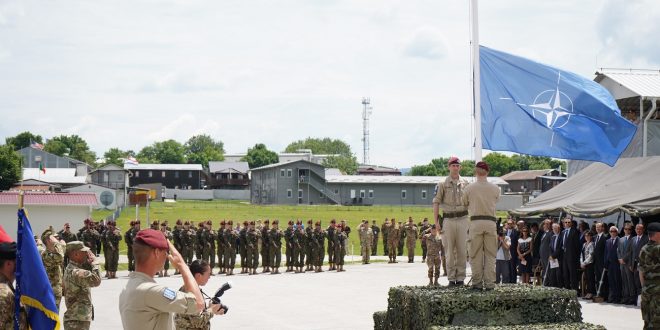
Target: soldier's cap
(245, 223)
(154, 223)
(48, 232)
(333, 221)
(653, 228)
(276, 222)
(132, 223)
(7, 246)
(222, 223)
(266, 221)
(179, 222)
(209, 222)
(230, 222)
(252, 223)
(86, 221)
(318, 224)
(290, 222)
(309, 222)
(201, 224)
(137, 222)
(76, 246)
(373, 221)
(163, 224)
(454, 160)
(298, 222)
(153, 238)
(483, 165)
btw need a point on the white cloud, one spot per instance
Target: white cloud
(427, 43)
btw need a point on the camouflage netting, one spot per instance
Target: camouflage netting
(421, 307)
(539, 326)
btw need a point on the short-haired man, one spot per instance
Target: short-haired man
(612, 265)
(81, 275)
(480, 198)
(144, 304)
(454, 225)
(638, 243)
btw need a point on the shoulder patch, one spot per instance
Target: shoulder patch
(169, 294)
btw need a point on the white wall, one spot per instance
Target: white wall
(90, 188)
(42, 216)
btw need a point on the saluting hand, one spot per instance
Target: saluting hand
(175, 257)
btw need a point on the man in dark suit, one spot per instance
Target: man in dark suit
(638, 243)
(554, 278)
(545, 236)
(612, 265)
(625, 255)
(512, 233)
(599, 258)
(570, 239)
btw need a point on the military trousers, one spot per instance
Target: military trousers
(298, 257)
(320, 256)
(212, 258)
(331, 252)
(386, 249)
(434, 262)
(131, 258)
(340, 252)
(374, 246)
(112, 256)
(289, 255)
(650, 310)
(366, 252)
(400, 247)
(229, 258)
(265, 260)
(483, 251)
(243, 252)
(423, 242)
(455, 242)
(221, 255)
(309, 252)
(206, 254)
(188, 254)
(410, 245)
(275, 256)
(76, 325)
(391, 248)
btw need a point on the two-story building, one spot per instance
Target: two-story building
(229, 175)
(533, 180)
(171, 176)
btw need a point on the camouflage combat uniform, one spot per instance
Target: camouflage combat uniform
(298, 246)
(411, 240)
(433, 260)
(252, 258)
(422, 233)
(366, 235)
(265, 248)
(309, 246)
(340, 249)
(53, 263)
(90, 237)
(78, 281)
(7, 299)
(275, 250)
(392, 242)
(385, 230)
(187, 242)
(319, 248)
(242, 248)
(330, 233)
(649, 264)
(288, 240)
(129, 236)
(111, 239)
(201, 321)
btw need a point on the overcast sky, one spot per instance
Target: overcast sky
(128, 73)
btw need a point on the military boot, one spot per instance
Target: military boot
(435, 281)
(430, 280)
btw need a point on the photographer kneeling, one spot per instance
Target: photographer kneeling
(201, 271)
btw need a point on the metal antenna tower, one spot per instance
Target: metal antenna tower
(366, 111)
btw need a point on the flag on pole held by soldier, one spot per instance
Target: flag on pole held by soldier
(32, 285)
(535, 109)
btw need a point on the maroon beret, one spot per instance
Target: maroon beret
(454, 160)
(291, 222)
(153, 238)
(483, 166)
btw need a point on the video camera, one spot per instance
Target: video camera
(218, 294)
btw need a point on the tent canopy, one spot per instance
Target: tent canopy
(631, 186)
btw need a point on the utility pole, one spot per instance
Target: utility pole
(366, 111)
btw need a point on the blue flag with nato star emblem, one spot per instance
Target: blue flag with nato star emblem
(535, 109)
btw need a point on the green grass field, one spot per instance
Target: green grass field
(219, 210)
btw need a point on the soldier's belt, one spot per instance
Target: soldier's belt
(459, 214)
(483, 217)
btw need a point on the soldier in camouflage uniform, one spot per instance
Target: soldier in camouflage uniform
(187, 242)
(111, 239)
(205, 241)
(411, 239)
(319, 238)
(221, 245)
(275, 248)
(129, 236)
(423, 227)
(340, 248)
(265, 247)
(402, 239)
(199, 244)
(230, 237)
(309, 245)
(7, 276)
(385, 230)
(100, 227)
(649, 275)
(176, 237)
(298, 247)
(53, 257)
(433, 246)
(67, 236)
(331, 232)
(212, 234)
(242, 247)
(252, 236)
(168, 235)
(366, 235)
(201, 271)
(90, 236)
(393, 240)
(288, 240)
(80, 276)
(376, 230)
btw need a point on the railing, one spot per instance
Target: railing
(230, 182)
(318, 186)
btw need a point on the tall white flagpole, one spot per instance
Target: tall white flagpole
(476, 80)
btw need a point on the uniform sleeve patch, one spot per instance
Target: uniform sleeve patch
(169, 294)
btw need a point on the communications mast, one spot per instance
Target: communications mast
(366, 111)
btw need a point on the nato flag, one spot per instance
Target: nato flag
(535, 109)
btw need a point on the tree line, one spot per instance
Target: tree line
(499, 164)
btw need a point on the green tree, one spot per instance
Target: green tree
(164, 152)
(500, 164)
(345, 164)
(23, 140)
(343, 158)
(10, 166)
(115, 155)
(467, 167)
(424, 170)
(260, 156)
(200, 149)
(72, 146)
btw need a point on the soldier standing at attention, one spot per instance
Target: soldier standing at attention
(649, 276)
(366, 241)
(80, 276)
(433, 242)
(187, 242)
(111, 239)
(199, 246)
(242, 247)
(340, 248)
(376, 230)
(319, 236)
(298, 247)
(90, 236)
(393, 240)
(423, 227)
(288, 240)
(309, 245)
(275, 248)
(67, 236)
(386, 234)
(176, 237)
(330, 233)
(347, 230)
(229, 238)
(254, 237)
(265, 247)
(212, 236)
(205, 241)
(222, 246)
(411, 239)
(128, 238)
(454, 222)
(402, 237)
(53, 257)
(168, 237)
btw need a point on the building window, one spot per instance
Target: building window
(336, 191)
(403, 194)
(176, 174)
(282, 172)
(289, 172)
(189, 174)
(151, 174)
(162, 174)
(137, 174)
(371, 193)
(362, 193)
(423, 194)
(289, 193)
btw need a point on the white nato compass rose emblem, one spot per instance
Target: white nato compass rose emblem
(553, 108)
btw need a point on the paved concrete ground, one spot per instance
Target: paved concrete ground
(327, 300)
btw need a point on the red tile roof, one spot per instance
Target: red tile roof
(34, 198)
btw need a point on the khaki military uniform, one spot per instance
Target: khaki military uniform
(433, 258)
(411, 240)
(145, 304)
(649, 264)
(393, 242)
(480, 198)
(53, 261)
(78, 281)
(366, 243)
(7, 299)
(449, 197)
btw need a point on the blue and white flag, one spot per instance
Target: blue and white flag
(535, 109)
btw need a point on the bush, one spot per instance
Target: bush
(539, 326)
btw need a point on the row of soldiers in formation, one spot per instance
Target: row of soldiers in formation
(254, 241)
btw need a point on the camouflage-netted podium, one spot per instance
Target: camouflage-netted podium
(529, 307)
